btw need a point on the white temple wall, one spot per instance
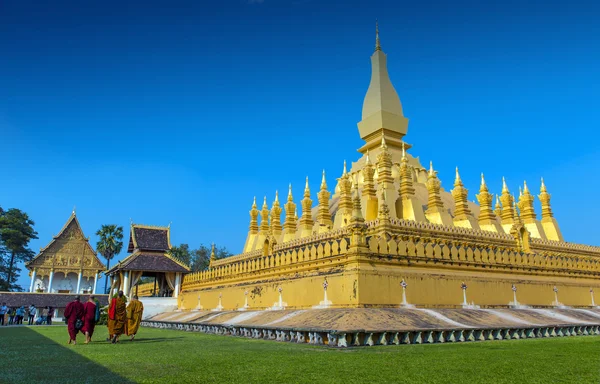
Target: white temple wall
(62, 282)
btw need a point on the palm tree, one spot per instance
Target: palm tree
(110, 244)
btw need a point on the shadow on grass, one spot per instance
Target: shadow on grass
(27, 355)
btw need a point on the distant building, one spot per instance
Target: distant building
(68, 264)
(149, 247)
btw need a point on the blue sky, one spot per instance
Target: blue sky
(183, 111)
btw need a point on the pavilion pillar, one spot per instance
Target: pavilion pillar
(95, 283)
(50, 281)
(177, 283)
(32, 286)
(126, 283)
(79, 282)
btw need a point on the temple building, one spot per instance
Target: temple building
(387, 225)
(68, 264)
(149, 248)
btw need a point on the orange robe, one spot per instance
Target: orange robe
(135, 310)
(117, 317)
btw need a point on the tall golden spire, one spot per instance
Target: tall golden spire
(253, 230)
(377, 44)
(368, 172)
(407, 188)
(485, 198)
(516, 215)
(507, 213)
(382, 109)
(356, 207)
(358, 228)
(345, 199)
(276, 216)
(435, 212)
(545, 200)
(460, 194)
(254, 218)
(306, 221)
(213, 257)
(549, 223)
(498, 207)
(384, 164)
(324, 215)
(290, 224)
(264, 218)
(526, 205)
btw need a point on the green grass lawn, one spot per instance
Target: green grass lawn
(40, 355)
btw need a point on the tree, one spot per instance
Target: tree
(182, 253)
(110, 244)
(16, 231)
(198, 259)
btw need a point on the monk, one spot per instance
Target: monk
(117, 317)
(73, 312)
(89, 319)
(134, 316)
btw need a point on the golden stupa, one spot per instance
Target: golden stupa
(387, 225)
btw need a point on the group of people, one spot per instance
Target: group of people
(122, 318)
(17, 314)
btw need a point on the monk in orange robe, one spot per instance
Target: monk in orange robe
(117, 315)
(73, 312)
(89, 319)
(135, 310)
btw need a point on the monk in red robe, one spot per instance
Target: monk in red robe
(117, 317)
(89, 319)
(73, 312)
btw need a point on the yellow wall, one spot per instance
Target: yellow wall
(375, 283)
(300, 292)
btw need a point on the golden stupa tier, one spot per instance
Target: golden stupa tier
(388, 224)
(404, 190)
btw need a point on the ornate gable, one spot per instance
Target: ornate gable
(69, 251)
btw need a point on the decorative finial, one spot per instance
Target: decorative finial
(482, 180)
(497, 202)
(504, 186)
(74, 209)
(383, 144)
(254, 203)
(367, 160)
(343, 173)
(265, 203)
(525, 189)
(403, 151)
(457, 179)
(290, 198)
(276, 196)
(296, 213)
(543, 187)
(431, 173)
(323, 182)
(306, 187)
(377, 45)
(520, 191)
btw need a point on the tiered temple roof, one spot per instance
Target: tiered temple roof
(149, 247)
